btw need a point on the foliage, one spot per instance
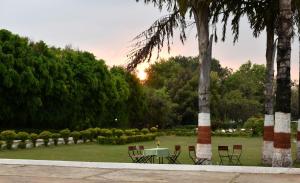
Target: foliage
(145, 130)
(55, 137)
(33, 137)
(118, 132)
(65, 134)
(153, 129)
(76, 136)
(85, 135)
(45, 135)
(8, 136)
(255, 125)
(114, 140)
(51, 88)
(23, 136)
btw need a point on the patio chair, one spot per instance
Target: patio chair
(192, 155)
(173, 158)
(134, 155)
(236, 154)
(223, 152)
(140, 151)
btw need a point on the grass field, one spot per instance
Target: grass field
(118, 153)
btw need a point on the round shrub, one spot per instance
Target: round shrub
(118, 132)
(33, 137)
(45, 135)
(145, 131)
(136, 131)
(85, 135)
(101, 140)
(98, 131)
(256, 125)
(65, 134)
(76, 136)
(106, 133)
(129, 132)
(55, 137)
(1, 143)
(8, 136)
(23, 136)
(153, 129)
(93, 132)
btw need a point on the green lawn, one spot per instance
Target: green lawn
(118, 153)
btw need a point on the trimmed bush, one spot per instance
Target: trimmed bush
(93, 133)
(129, 132)
(65, 134)
(23, 136)
(33, 137)
(153, 129)
(85, 135)
(113, 140)
(256, 125)
(106, 133)
(55, 137)
(118, 132)
(145, 131)
(75, 135)
(45, 135)
(8, 136)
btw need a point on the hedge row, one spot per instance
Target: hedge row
(89, 134)
(125, 139)
(192, 132)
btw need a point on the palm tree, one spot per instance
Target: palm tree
(282, 138)
(163, 28)
(262, 15)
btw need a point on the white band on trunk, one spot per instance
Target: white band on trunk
(204, 151)
(269, 120)
(204, 119)
(282, 122)
(298, 125)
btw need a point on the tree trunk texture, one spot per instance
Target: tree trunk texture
(204, 150)
(267, 151)
(298, 129)
(282, 129)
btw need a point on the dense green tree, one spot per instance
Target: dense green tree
(50, 88)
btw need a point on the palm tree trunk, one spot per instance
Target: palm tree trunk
(282, 129)
(298, 129)
(267, 151)
(204, 150)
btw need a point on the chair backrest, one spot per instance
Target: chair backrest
(141, 148)
(223, 150)
(191, 148)
(131, 148)
(237, 149)
(177, 150)
(192, 153)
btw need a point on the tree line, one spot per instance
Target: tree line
(44, 87)
(235, 95)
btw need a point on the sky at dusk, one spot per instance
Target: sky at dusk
(106, 28)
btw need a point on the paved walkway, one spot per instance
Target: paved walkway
(26, 173)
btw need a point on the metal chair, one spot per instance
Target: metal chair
(192, 155)
(236, 154)
(173, 158)
(134, 155)
(223, 152)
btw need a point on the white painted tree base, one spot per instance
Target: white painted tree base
(282, 158)
(204, 151)
(267, 152)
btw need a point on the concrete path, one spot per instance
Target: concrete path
(20, 173)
